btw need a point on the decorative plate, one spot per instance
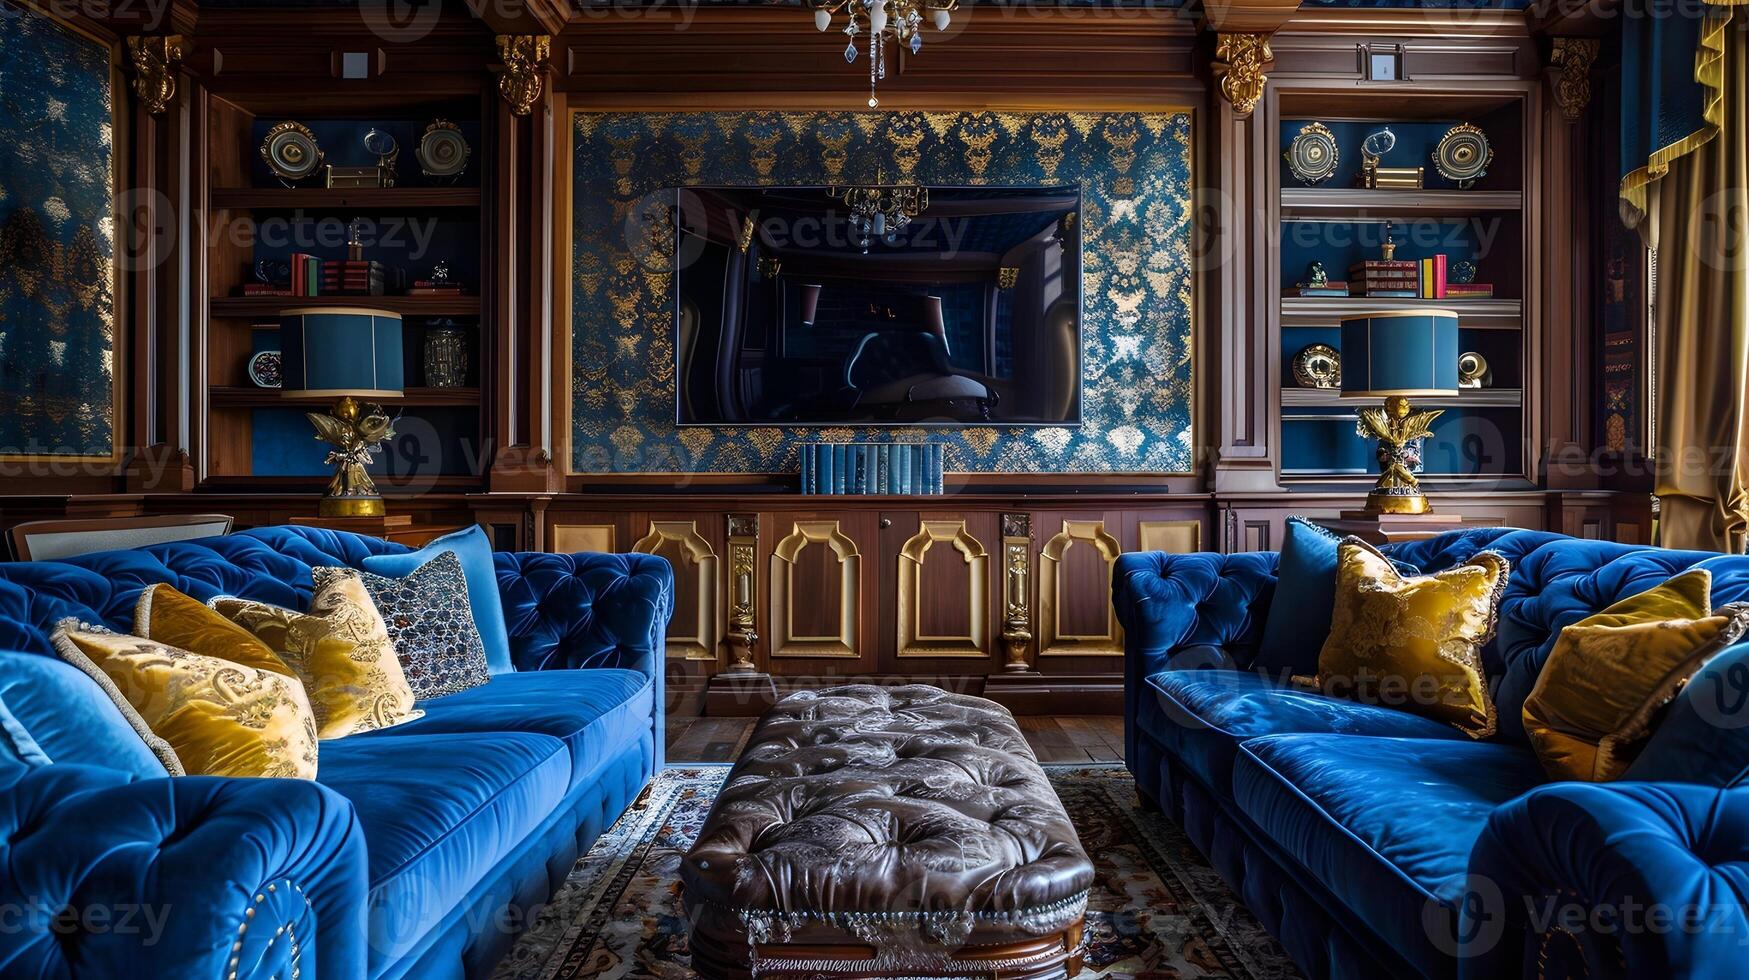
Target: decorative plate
(1472, 369)
(264, 369)
(1312, 154)
(1462, 272)
(1318, 366)
(291, 152)
(1463, 155)
(442, 151)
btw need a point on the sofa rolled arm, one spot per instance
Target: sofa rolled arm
(1168, 603)
(1617, 880)
(107, 875)
(586, 610)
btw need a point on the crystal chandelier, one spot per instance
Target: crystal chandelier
(899, 20)
(881, 210)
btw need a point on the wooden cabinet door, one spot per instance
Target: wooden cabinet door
(938, 590)
(1077, 630)
(822, 593)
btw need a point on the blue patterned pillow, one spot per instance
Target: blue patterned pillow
(432, 625)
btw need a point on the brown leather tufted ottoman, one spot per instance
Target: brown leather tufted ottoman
(886, 832)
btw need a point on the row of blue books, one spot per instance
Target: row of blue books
(871, 467)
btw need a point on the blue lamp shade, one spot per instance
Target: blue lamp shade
(1408, 353)
(333, 352)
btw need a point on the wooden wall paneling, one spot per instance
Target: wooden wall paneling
(821, 592)
(579, 530)
(1077, 626)
(939, 593)
(992, 56)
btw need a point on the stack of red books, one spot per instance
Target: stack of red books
(352, 277)
(1385, 277)
(432, 287)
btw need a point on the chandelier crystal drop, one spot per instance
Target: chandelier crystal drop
(900, 21)
(881, 211)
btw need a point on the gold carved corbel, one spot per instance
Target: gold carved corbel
(1571, 60)
(154, 58)
(743, 592)
(1239, 63)
(524, 58)
(1016, 591)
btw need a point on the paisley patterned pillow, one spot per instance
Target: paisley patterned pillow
(430, 623)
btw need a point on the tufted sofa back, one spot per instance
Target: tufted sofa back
(268, 564)
(1215, 605)
(1558, 585)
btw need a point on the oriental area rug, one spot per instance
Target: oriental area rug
(1157, 909)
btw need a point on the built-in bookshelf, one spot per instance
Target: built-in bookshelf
(255, 437)
(1484, 433)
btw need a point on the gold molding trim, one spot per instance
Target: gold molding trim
(913, 642)
(743, 592)
(700, 639)
(1573, 57)
(154, 58)
(524, 58)
(571, 538)
(1172, 537)
(1016, 592)
(1239, 63)
(784, 641)
(1054, 641)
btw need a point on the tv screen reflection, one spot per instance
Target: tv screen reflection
(893, 305)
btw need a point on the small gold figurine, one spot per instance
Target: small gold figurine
(355, 433)
(1399, 432)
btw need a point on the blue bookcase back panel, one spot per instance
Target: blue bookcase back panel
(1467, 442)
(433, 442)
(1415, 144)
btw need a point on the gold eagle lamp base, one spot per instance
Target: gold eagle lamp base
(355, 432)
(1399, 432)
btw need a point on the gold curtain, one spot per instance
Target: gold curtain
(1695, 217)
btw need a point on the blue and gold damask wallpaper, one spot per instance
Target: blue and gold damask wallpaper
(57, 234)
(1134, 170)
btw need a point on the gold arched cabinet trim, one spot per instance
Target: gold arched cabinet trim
(913, 642)
(784, 641)
(696, 640)
(1053, 640)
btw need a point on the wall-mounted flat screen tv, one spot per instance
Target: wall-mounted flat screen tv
(878, 305)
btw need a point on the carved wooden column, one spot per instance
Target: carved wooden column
(742, 689)
(1235, 262)
(151, 243)
(529, 357)
(1566, 260)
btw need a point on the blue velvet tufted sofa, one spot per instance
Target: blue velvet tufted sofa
(419, 851)
(1374, 843)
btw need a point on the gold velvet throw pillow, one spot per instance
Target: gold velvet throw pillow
(1610, 675)
(341, 651)
(1413, 641)
(218, 718)
(181, 621)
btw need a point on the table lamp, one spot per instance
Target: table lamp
(348, 354)
(1399, 355)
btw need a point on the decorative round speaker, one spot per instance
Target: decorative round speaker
(1318, 366)
(1312, 154)
(1463, 155)
(265, 369)
(442, 151)
(1472, 369)
(290, 151)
